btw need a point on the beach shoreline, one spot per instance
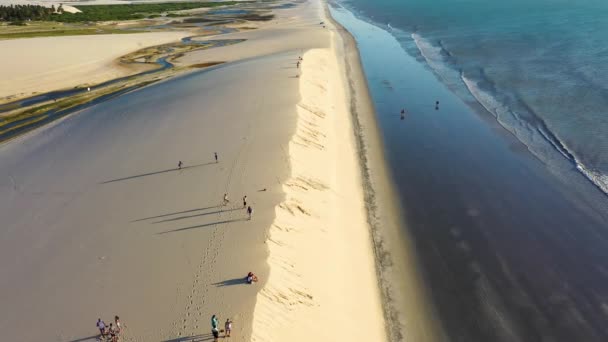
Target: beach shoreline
(406, 301)
(337, 213)
(495, 230)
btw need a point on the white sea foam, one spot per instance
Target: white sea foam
(529, 134)
(488, 101)
(540, 142)
(432, 54)
(598, 178)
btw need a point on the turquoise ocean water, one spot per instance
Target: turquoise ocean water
(539, 66)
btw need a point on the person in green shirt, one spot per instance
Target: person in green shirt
(214, 327)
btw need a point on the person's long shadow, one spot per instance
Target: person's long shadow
(231, 282)
(176, 213)
(154, 173)
(197, 215)
(201, 226)
(193, 338)
(90, 338)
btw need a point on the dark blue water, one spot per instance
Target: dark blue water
(511, 237)
(539, 66)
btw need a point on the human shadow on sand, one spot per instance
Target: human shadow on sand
(193, 338)
(202, 226)
(198, 215)
(90, 338)
(230, 282)
(154, 173)
(176, 213)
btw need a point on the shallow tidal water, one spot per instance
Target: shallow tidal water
(511, 241)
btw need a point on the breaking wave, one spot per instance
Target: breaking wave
(524, 124)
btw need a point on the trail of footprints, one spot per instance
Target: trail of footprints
(189, 323)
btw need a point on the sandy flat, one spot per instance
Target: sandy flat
(51, 63)
(97, 220)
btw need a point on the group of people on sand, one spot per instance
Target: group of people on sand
(248, 208)
(109, 332)
(226, 200)
(215, 329)
(215, 322)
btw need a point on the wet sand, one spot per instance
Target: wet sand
(508, 250)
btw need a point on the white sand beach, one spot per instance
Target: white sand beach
(97, 220)
(320, 260)
(37, 65)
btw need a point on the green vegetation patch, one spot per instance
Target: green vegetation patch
(19, 14)
(131, 11)
(69, 32)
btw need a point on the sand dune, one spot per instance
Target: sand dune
(320, 260)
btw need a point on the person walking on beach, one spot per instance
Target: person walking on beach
(226, 200)
(214, 328)
(118, 325)
(179, 165)
(298, 65)
(112, 332)
(249, 212)
(228, 327)
(245, 201)
(101, 325)
(215, 154)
